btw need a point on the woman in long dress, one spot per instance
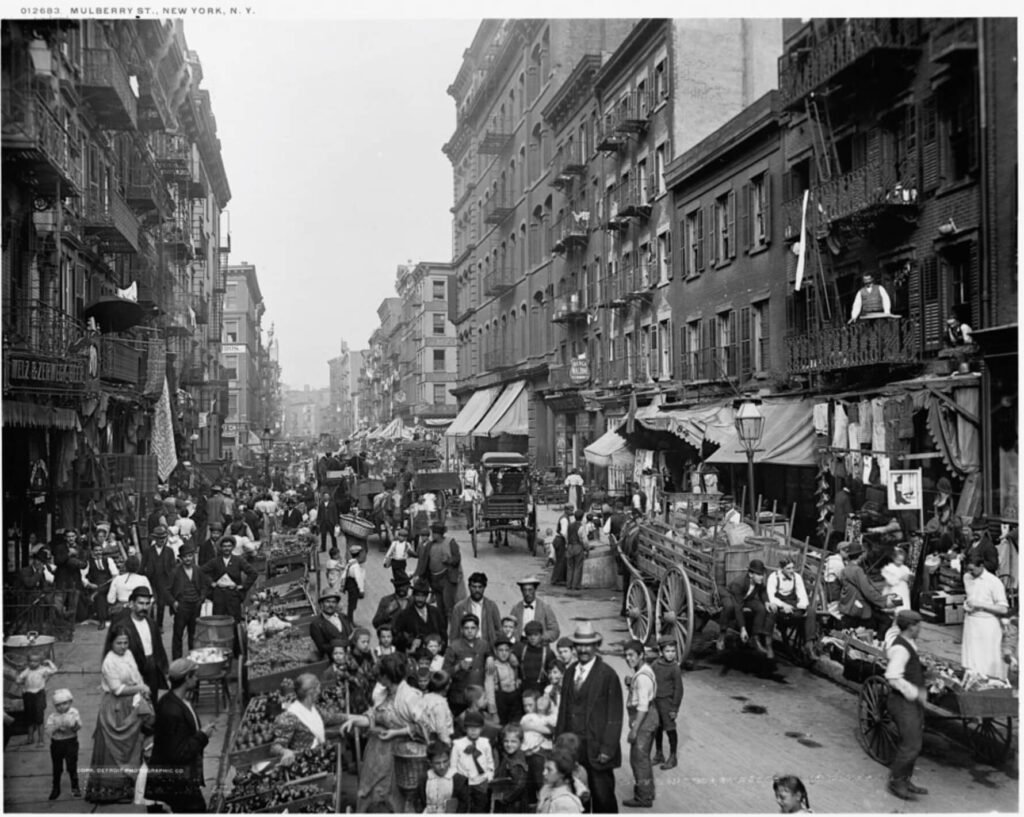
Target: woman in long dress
(301, 726)
(117, 742)
(394, 729)
(983, 632)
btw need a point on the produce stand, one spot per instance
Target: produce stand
(986, 714)
(311, 785)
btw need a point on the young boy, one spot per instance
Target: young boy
(549, 547)
(397, 556)
(337, 674)
(508, 629)
(433, 645)
(566, 653)
(643, 721)
(385, 642)
(667, 701)
(354, 580)
(62, 726)
(472, 757)
(444, 784)
(534, 658)
(570, 742)
(33, 683)
(514, 774)
(503, 683)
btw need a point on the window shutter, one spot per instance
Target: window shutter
(731, 224)
(699, 227)
(929, 145)
(746, 216)
(746, 330)
(764, 364)
(669, 272)
(684, 351)
(666, 353)
(712, 249)
(767, 177)
(931, 307)
(975, 279)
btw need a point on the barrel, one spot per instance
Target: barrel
(774, 550)
(737, 559)
(216, 631)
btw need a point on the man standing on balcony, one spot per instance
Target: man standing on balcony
(871, 300)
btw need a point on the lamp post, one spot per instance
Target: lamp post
(266, 441)
(749, 428)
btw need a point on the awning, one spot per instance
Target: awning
(788, 436)
(609, 449)
(437, 422)
(471, 414)
(517, 418)
(32, 415)
(393, 430)
(693, 425)
(499, 409)
(113, 313)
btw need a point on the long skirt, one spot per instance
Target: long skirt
(982, 645)
(377, 783)
(116, 751)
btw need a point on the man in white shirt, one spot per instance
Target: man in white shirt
(905, 675)
(145, 643)
(533, 609)
(643, 722)
(871, 299)
(97, 576)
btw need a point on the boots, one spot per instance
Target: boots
(659, 757)
(900, 788)
(55, 791)
(671, 763)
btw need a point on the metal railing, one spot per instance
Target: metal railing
(631, 197)
(569, 306)
(41, 329)
(30, 126)
(120, 361)
(499, 279)
(570, 231)
(102, 69)
(108, 215)
(868, 342)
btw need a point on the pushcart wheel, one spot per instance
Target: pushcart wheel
(877, 732)
(990, 739)
(675, 610)
(639, 610)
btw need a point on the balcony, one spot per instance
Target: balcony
(609, 138)
(173, 157)
(177, 242)
(106, 87)
(613, 292)
(145, 189)
(497, 137)
(108, 217)
(154, 110)
(500, 279)
(570, 309)
(630, 198)
(636, 280)
(121, 362)
(870, 193)
(887, 42)
(632, 114)
(35, 138)
(498, 208)
(623, 371)
(878, 342)
(193, 374)
(957, 39)
(39, 330)
(569, 165)
(571, 231)
(498, 359)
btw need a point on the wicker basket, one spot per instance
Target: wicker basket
(355, 527)
(410, 770)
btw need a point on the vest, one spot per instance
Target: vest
(190, 595)
(634, 696)
(97, 575)
(914, 672)
(871, 301)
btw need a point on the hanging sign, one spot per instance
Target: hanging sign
(579, 370)
(905, 490)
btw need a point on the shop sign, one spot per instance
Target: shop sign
(26, 371)
(579, 370)
(905, 490)
(233, 349)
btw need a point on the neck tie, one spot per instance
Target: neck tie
(527, 606)
(473, 752)
(579, 679)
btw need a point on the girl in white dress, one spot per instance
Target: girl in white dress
(897, 578)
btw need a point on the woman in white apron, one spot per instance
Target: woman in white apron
(983, 631)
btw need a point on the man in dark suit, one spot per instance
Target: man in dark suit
(330, 625)
(418, 620)
(144, 641)
(440, 564)
(483, 608)
(748, 596)
(176, 766)
(96, 578)
(591, 708)
(391, 605)
(158, 564)
(208, 548)
(232, 577)
(327, 519)
(189, 589)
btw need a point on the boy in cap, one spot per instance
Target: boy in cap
(643, 722)
(748, 595)
(189, 589)
(534, 658)
(354, 579)
(397, 557)
(667, 700)
(472, 757)
(62, 728)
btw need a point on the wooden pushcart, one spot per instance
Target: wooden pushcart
(987, 715)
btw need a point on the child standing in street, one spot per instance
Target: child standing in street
(512, 771)
(354, 580)
(62, 727)
(502, 683)
(667, 701)
(385, 642)
(33, 684)
(397, 556)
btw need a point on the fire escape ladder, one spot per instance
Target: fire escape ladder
(826, 156)
(827, 293)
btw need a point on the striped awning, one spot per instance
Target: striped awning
(20, 414)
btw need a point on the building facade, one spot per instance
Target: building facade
(242, 353)
(307, 413)
(344, 373)
(113, 189)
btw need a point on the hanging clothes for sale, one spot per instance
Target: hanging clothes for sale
(853, 413)
(883, 469)
(839, 436)
(865, 472)
(905, 428)
(866, 425)
(878, 424)
(820, 415)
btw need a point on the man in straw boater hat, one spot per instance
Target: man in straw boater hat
(591, 708)
(533, 609)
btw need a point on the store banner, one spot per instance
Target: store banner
(163, 435)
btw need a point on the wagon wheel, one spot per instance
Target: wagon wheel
(877, 732)
(675, 610)
(471, 522)
(990, 739)
(639, 610)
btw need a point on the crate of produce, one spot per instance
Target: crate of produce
(313, 778)
(254, 734)
(286, 654)
(988, 703)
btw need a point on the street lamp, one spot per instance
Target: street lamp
(266, 440)
(749, 428)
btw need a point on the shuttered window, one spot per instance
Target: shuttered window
(929, 145)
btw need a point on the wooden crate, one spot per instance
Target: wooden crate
(272, 681)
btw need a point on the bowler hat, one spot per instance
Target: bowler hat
(159, 532)
(186, 549)
(401, 580)
(141, 593)
(585, 634)
(438, 527)
(853, 551)
(421, 585)
(472, 718)
(756, 566)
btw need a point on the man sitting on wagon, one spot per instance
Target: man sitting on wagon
(747, 600)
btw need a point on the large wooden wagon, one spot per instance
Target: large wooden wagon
(677, 581)
(507, 500)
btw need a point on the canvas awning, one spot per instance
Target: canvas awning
(788, 437)
(693, 425)
(499, 409)
(474, 410)
(609, 449)
(517, 419)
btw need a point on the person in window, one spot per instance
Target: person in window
(871, 300)
(957, 333)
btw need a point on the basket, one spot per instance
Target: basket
(410, 770)
(988, 703)
(354, 526)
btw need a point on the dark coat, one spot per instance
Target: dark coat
(240, 571)
(738, 590)
(324, 633)
(600, 702)
(138, 652)
(68, 573)
(179, 583)
(452, 561)
(408, 626)
(327, 512)
(490, 621)
(178, 744)
(159, 569)
(390, 606)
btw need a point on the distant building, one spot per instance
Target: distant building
(307, 413)
(240, 355)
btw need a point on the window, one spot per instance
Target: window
(231, 331)
(694, 233)
(642, 182)
(661, 84)
(439, 290)
(440, 394)
(664, 257)
(642, 98)
(231, 295)
(664, 363)
(959, 131)
(439, 323)
(230, 367)
(760, 331)
(726, 357)
(725, 227)
(439, 360)
(691, 337)
(660, 154)
(232, 405)
(757, 214)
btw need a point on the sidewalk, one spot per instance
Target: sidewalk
(27, 776)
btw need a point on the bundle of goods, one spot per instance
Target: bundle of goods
(288, 649)
(308, 786)
(284, 600)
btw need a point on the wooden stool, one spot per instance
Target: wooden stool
(219, 683)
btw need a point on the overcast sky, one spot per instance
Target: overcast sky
(331, 133)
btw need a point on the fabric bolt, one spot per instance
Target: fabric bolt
(878, 424)
(967, 431)
(839, 428)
